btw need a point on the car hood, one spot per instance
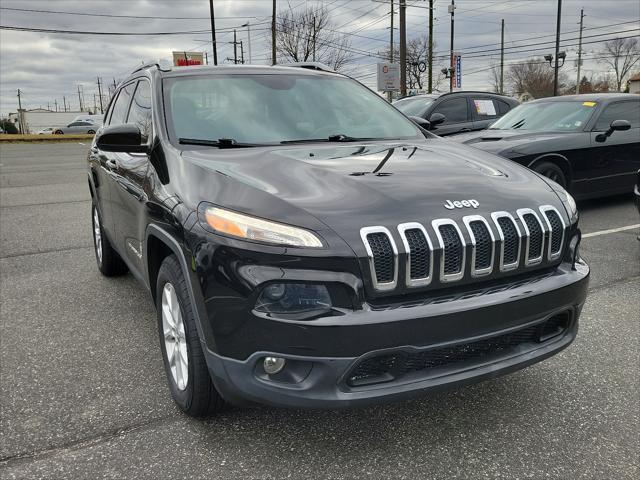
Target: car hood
(513, 141)
(347, 187)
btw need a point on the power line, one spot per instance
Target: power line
(106, 15)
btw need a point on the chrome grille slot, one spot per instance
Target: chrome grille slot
(510, 237)
(383, 256)
(482, 241)
(419, 251)
(534, 236)
(556, 228)
(452, 251)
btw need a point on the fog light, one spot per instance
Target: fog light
(273, 365)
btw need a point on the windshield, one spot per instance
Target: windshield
(274, 108)
(413, 106)
(557, 116)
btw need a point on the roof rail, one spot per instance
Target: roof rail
(158, 64)
(310, 66)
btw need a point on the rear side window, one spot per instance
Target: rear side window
(140, 110)
(503, 107)
(629, 111)
(119, 112)
(454, 110)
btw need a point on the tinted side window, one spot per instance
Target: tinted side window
(503, 107)
(629, 111)
(140, 111)
(454, 110)
(119, 113)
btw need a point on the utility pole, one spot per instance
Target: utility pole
(241, 53)
(556, 67)
(502, 58)
(248, 25)
(213, 33)
(64, 102)
(452, 67)
(579, 52)
(403, 48)
(273, 34)
(430, 59)
(79, 98)
(95, 107)
(390, 93)
(206, 58)
(20, 111)
(100, 95)
(55, 102)
(235, 48)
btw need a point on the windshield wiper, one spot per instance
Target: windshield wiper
(220, 143)
(338, 137)
(518, 124)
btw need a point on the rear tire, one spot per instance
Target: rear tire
(58, 132)
(551, 171)
(109, 262)
(91, 132)
(185, 365)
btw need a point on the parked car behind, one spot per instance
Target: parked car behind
(588, 144)
(456, 112)
(46, 131)
(77, 127)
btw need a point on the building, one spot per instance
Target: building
(634, 83)
(36, 119)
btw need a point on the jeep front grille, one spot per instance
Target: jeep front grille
(499, 242)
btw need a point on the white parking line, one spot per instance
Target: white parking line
(612, 230)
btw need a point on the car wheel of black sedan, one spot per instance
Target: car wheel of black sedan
(91, 132)
(551, 171)
(58, 132)
(187, 373)
(109, 262)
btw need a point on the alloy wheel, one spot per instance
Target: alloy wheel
(174, 337)
(97, 234)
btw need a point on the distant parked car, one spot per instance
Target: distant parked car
(589, 144)
(456, 112)
(77, 127)
(46, 131)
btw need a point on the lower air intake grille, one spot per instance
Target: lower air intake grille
(420, 253)
(511, 240)
(536, 238)
(391, 366)
(452, 249)
(484, 244)
(383, 256)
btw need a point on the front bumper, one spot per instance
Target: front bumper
(320, 379)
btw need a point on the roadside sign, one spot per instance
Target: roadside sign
(388, 77)
(457, 62)
(184, 59)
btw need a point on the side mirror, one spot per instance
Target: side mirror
(421, 122)
(616, 125)
(121, 138)
(437, 119)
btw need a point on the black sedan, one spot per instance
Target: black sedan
(589, 144)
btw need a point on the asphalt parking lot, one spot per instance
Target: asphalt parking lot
(83, 394)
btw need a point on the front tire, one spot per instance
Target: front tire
(109, 262)
(551, 171)
(184, 362)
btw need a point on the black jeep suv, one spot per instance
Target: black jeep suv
(307, 245)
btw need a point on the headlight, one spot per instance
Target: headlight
(568, 202)
(259, 230)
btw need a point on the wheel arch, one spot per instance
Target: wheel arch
(558, 159)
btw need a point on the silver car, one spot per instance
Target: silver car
(80, 126)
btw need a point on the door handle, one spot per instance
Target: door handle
(465, 130)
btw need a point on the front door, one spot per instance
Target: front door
(456, 116)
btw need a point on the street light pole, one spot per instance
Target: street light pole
(452, 8)
(213, 33)
(403, 48)
(273, 34)
(556, 67)
(579, 52)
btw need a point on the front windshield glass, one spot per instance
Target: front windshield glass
(413, 106)
(275, 108)
(557, 116)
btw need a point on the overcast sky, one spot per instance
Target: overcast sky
(47, 66)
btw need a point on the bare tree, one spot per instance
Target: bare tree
(494, 78)
(533, 77)
(417, 53)
(621, 54)
(307, 35)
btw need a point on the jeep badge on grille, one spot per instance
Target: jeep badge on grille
(461, 204)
